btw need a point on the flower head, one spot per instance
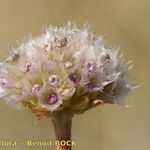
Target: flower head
(63, 68)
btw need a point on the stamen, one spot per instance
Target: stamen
(68, 64)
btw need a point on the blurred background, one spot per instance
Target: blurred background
(126, 24)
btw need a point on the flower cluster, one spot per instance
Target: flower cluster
(63, 68)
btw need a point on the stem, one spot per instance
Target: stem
(62, 127)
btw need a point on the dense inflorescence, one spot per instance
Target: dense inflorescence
(63, 68)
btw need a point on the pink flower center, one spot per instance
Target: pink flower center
(35, 89)
(53, 80)
(74, 79)
(3, 81)
(52, 98)
(27, 67)
(90, 66)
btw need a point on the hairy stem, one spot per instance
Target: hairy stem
(62, 127)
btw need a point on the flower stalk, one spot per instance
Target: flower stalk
(62, 122)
